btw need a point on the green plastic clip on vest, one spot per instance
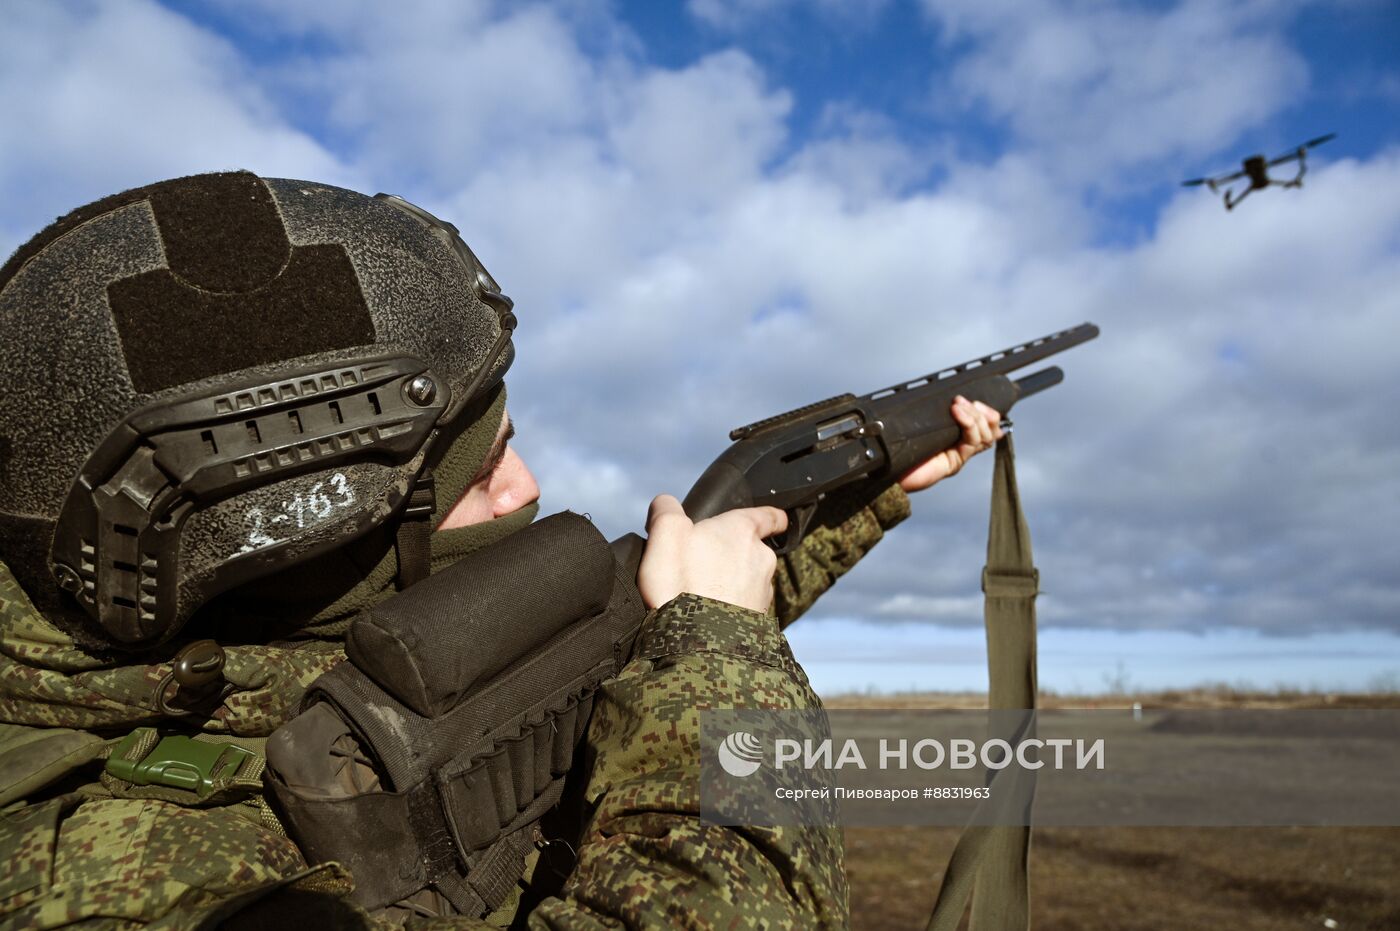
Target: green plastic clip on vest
(178, 762)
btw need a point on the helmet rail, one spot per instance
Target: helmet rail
(117, 545)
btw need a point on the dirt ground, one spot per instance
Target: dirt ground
(1149, 878)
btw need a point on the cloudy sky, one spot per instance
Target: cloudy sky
(712, 211)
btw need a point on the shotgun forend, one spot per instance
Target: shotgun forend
(793, 460)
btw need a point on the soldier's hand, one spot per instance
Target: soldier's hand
(981, 428)
(723, 557)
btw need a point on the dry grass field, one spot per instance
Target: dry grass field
(1127, 879)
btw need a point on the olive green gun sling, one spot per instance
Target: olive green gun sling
(990, 863)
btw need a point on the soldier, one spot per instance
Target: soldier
(237, 413)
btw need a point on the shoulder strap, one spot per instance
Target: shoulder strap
(991, 864)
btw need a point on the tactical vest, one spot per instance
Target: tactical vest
(425, 762)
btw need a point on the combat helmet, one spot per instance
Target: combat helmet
(213, 378)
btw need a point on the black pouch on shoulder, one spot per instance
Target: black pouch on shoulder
(466, 695)
(431, 644)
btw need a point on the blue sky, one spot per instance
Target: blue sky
(877, 56)
(712, 211)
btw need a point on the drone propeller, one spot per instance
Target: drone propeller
(1298, 152)
(1218, 179)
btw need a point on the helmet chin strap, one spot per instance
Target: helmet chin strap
(413, 540)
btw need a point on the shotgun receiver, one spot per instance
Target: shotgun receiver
(793, 460)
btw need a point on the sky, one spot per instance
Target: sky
(712, 211)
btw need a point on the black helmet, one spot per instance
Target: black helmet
(215, 377)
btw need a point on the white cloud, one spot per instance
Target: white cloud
(932, 608)
(457, 96)
(698, 134)
(104, 96)
(862, 154)
(1096, 87)
(733, 15)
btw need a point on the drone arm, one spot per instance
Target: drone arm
(1231, 202)
(1302, 170)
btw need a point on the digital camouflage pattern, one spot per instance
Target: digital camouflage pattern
(46, 680)
(848, 523)
(75, 852)
(647, 859)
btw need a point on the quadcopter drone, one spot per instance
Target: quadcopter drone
(1256, 169)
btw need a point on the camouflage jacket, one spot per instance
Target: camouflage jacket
(79, 848)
